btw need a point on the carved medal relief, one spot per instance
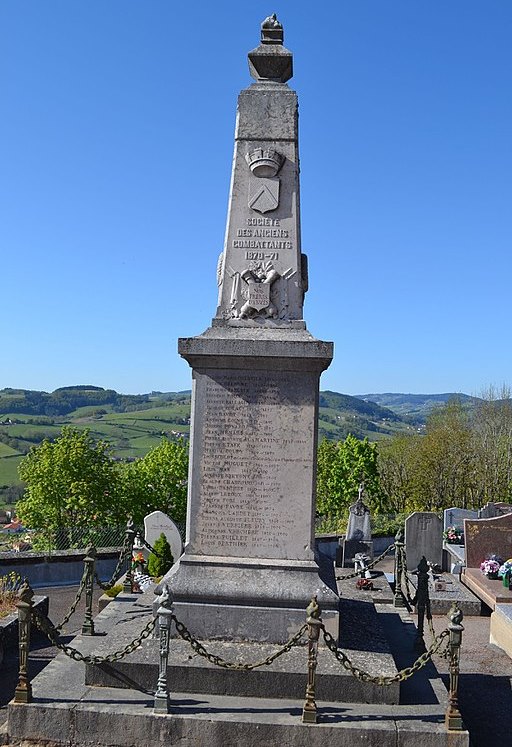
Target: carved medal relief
(263, 248)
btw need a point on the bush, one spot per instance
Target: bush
(114, 590)
(159, 564)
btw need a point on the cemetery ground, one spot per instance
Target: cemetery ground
(485, 689)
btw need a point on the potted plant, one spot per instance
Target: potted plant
(505, 572)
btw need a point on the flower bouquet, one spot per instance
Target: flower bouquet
(454, 535)
(139, 562)
(490, 566)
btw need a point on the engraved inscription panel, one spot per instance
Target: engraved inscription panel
(254, 439)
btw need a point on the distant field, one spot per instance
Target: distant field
(9, 470)
(134, 424)
(7, 451)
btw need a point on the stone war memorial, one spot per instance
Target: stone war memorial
(248, 568)
(250, 627)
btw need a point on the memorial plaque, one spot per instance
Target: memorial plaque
(256, 433)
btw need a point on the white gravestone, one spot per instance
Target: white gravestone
(157, 523)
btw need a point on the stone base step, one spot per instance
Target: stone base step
(107, 717)
(285, 678)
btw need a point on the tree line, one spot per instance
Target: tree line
(464, 459)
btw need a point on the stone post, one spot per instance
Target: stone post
(129, 540)
(23, 691)
(453, 718)
(89, 562)
(398, 600)
(162, 702)
(314, 621)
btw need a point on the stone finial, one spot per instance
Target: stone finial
(271, 61)
(272, 30)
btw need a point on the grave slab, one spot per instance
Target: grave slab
(501, 628)
(490, 591)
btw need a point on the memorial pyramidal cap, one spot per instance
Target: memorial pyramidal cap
(248, 570)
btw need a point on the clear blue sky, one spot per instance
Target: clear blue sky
(117, 135)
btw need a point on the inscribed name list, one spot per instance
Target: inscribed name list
(254, 493)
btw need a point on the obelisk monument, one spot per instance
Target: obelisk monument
(248, 568)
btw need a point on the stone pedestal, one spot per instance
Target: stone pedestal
(248, 569)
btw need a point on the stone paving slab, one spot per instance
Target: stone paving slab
(441, 601)
(490, 591)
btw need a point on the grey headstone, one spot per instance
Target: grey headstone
(454, 517)
(423, 536)
(158, 523)
(489, 511)
(359, 533)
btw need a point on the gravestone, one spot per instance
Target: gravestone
(489, 511)
(493, 509)
(454, 517)
(359, 533)
(423, 537)
(157, 523)
(486, 537)
(248, 569)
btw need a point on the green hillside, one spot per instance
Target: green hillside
(415, 408)
(134, 424)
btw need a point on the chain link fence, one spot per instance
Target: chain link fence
(53, 540)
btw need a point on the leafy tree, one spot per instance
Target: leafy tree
(493, 445)
(445, 468)
(71, 481)
(157, 482)
(160, 561)
(397, 471)
(341, 468)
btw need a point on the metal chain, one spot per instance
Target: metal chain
(404, 674)
(75, 603)
(198, 647)
(152, 549)
(106, 585)
(50, 631)
(368, 567)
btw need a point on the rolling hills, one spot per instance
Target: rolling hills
(135, 423)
